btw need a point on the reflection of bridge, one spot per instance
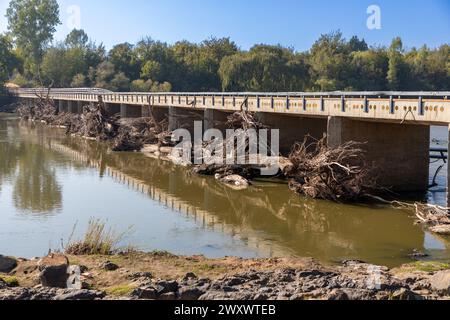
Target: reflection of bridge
(206, 219)
(395, 125)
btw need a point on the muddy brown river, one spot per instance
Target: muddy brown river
(50, 182)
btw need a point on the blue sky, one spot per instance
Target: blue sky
(294, 23)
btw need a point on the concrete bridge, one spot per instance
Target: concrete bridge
(394, 125)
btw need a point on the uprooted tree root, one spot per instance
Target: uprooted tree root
(338, 174)
(237, 176)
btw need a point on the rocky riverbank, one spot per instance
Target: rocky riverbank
(163, 276)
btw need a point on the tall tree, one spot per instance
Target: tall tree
(397, 67)
(77, 39)
(8, 61)
(32, 24)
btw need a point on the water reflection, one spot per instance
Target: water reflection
(268, 218)
(29, 169)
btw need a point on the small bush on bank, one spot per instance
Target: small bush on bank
(98, 239)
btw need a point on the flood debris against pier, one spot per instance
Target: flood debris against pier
(319, 171)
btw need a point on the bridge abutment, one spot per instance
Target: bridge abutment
(399, 152)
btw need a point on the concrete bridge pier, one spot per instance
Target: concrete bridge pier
(293, 128)
(129, 111)
(183, 118)
(215, 119)
(61, 106)
(80, 107)
(399, 152)
(112, 109)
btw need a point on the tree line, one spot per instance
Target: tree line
(30, 57)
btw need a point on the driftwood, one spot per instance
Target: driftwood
(338, 174)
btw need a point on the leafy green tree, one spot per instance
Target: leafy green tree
(123, 59)
(8, 60)
(120, 82)
(397, 72)
(329, 62)
(32, 24)
(77, 39)
(263, 68)
(78, 81)
(369, 70)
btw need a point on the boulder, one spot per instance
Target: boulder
(166, 286)
(440, 282)
(53, 271)
(109, 266)
(7, 264)
(147, 293)
(190, 293)
(81, 295)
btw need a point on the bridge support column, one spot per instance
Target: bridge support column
(184, 118)
(61, 107)
(71, 107)
(79, 106)
(399, 152)
(112, 109)
(293, 128)
(130, 111)
(159, 113)
(215, 119)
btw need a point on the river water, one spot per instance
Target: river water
(50, 182)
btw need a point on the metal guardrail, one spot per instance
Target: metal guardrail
(380, 94)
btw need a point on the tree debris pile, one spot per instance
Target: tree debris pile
(94, 123)
(338, 174)
(133, 134)
(239, 174)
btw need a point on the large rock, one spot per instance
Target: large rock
(54, 271)
(440, 282)
(7, 264)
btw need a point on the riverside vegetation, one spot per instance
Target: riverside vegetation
(103, 271)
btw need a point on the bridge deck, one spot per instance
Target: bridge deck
(411, 107)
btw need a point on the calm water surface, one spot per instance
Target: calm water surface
(49, 182)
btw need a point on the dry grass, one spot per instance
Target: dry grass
(98, 239)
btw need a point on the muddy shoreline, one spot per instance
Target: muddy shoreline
(163, 276)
